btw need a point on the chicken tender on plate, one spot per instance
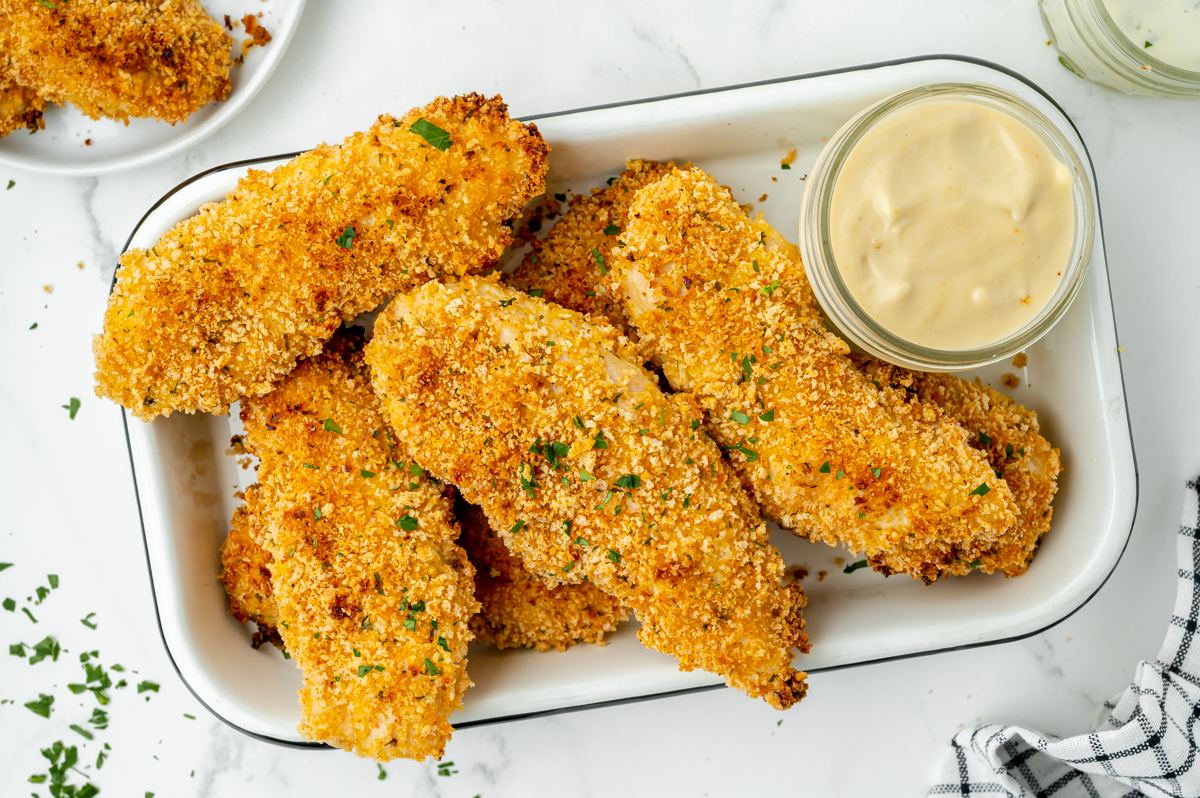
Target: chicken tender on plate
(118, 58)
(1009, 436)
(519, 610)
(567, 266)
(373, 596)
(246, 574)
(722, 303)
(20, 107)
(231, 299)
(587, 471)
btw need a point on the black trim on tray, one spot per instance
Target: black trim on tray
(691, 690)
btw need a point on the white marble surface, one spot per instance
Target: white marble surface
(67, 505)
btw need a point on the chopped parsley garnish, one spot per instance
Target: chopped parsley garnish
(982, 490)
(331, 426)
(317, 513)
(143, 686)
(310, 465)
(561, 197)
(517, 527)
(433, 134)
(4, 566)
(615, 556)
(407, 523)
(739, 417)
(416, 471)
(1148, 44)
(46, 648)
(82, 732)
(536, 291)
(769, 288)
(442, 644)
(507, 302)
(612, 180)
(568, 566)
(841, 474)
(825, 469)
(612, 230)
(363, 670)
(9, 605)
(985, 439)
(41, 706)
(875, 472)
(346, 239)
(629, 482)
(599, 442)
(596, 256)
(768, 416)
(695, 423)
(430, 668)
(975, 563)
(580, 541)
(382, 772)
(1008, 452)
(785, 166)
(367, 474)
(854, 566)
(585, 476)
(749, 454)
(72, 407)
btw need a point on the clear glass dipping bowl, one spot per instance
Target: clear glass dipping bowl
(840, 306)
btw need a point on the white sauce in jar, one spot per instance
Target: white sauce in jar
(1170, 27)
(951, 224)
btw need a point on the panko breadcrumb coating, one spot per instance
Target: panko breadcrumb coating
(722, 303)
(519, 610)
(374, 597)
(118, 58)
(246, 574)
(229, 300)
(1008, 435)
(20, 107)
(568, 264)
(588, 471)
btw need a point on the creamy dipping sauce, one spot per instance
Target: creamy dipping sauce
(951, 224)
(1170, 27)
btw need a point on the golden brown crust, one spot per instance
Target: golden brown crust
(374, 597)
(118, 58)
(504, 395)
(722, 303)
(246, 571)
(229, 300)
(20, 107)
(519, 610)
(568, 264)
(1008, 436)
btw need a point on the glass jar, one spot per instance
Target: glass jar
(829, 286)
(1092, 45)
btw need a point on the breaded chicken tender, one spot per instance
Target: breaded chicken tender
(722, 303)
(374, 597)
(246, 574)
(519, 610)
(1009, 436)
(568, 264)
(118, 58)
(20, 107)
(549, 423)
(231, 299)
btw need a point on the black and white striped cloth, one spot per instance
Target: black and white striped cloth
(1145, 746)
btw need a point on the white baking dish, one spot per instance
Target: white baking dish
(185, 482)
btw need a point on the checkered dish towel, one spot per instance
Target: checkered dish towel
(1145, 746)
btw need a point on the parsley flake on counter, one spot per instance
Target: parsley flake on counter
(433, 134)
(10, 605)
(11, 183)
(346, 239)
(1148, 44)
(331, 426)
(88, 621)
(143, 686)
(854, 566)
(41, 706)
(72, 407)
(382, 772)
(982, 490)
(4, 566)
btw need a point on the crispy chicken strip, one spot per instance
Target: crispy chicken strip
(519, 610)
(20, 107)
(246, 574)
(374, 598)
(587, 470)
(721, 301)
(1009, 436)
(230, 299)
(118, 58)
(568, 264)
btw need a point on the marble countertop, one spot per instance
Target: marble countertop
(67, 501)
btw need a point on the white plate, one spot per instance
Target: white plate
(1073, 380)
(60, 149)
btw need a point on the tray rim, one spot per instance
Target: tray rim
(702, 688)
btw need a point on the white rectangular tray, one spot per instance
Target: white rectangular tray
(185, 482)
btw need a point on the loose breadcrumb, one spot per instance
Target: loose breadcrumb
(373, 596)
(246, 575)
(519, 610)
(229, 300)
(588, 471)
(1008, 435)
(722, 303)
(118, 58)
